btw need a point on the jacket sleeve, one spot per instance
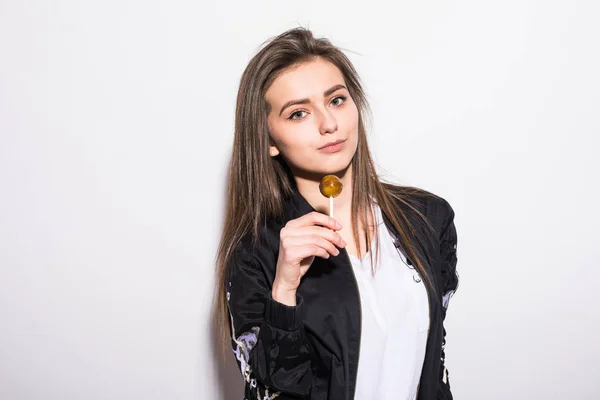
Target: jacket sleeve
(448, 242)
(268, 337)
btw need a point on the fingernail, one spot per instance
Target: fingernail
(338, 225)
(343, 243)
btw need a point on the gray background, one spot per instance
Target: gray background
(116, 121)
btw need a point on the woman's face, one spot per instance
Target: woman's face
(313, 122)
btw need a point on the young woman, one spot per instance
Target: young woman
(317, 307)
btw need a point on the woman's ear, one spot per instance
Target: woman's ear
(273, 150)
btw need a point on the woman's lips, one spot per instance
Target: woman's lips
(333, 147)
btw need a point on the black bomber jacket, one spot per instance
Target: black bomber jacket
(311, 350)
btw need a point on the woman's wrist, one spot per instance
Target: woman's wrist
(284, 295)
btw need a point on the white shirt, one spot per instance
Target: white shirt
(395, 322)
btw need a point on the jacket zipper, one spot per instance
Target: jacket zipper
(359, 319)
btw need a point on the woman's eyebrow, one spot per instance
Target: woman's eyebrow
(307, 101)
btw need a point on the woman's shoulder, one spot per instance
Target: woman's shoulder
(434, 207)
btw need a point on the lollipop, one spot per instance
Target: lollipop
(331, 187)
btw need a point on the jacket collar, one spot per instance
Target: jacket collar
(296, 205)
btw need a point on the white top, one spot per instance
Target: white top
(395, 322)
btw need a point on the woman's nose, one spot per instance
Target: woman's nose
(328, 123)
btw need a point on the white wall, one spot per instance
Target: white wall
(116, 124)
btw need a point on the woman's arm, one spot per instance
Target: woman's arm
(268, 337)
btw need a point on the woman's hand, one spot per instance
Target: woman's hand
(302, 239)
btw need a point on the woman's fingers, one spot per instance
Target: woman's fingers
(308, 245)
(325, 233)
(311, 251)
(315, 218)
(303, 238)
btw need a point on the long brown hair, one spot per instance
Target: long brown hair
(258, 183)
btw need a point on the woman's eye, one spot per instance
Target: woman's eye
(338, 103)
(297, 115)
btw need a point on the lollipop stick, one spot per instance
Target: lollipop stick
(331, 206)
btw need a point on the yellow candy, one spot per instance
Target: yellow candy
(331, 186)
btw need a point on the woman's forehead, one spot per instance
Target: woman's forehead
(307, 80)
